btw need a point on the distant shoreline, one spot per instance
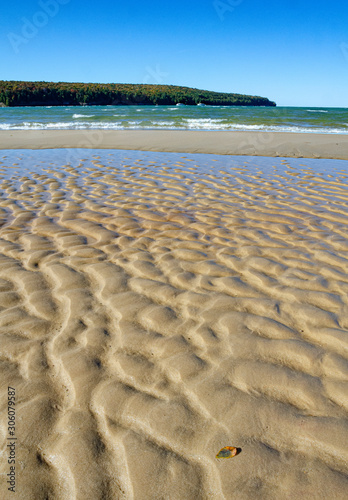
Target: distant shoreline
(20, 93)
(283, 144)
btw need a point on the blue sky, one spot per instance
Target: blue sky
(294, 52)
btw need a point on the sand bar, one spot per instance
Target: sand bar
(155, 310)
(219, 142)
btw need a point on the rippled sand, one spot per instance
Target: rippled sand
(155, 308)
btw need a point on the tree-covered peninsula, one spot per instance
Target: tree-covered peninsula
(17, 93)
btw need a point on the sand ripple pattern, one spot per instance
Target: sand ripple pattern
(152, 312)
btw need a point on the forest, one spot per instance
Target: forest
(18, 93)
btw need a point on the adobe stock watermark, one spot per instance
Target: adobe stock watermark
(223, 6)
(30, 27)
(155, 74)
(344, 50)
(91, 139)
(260, 139)
(254, 142)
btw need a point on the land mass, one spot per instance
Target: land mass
(18, 93)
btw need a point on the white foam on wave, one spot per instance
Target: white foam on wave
(204, 120)
(287, 128)
(184, 124)
(317, 111)
(163, 124)
(60, 126)
(205, 123)
(76, 115)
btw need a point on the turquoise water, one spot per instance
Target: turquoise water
(279, 119)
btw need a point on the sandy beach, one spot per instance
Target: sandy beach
(157, 308)
(228, 143)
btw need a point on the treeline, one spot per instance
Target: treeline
(16, 93)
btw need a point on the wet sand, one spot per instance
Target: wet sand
(156, 308)
(228, 143)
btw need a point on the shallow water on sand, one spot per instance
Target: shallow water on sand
(276, 176)
(157, 307)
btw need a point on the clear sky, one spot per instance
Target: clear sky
(293, 52)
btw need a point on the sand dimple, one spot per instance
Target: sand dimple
(153, 311)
